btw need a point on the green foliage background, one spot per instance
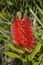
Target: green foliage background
(31, 8)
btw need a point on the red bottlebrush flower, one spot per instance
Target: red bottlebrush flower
(22, 32)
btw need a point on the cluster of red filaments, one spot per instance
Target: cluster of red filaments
(21, 31)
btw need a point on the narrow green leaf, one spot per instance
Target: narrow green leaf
(36, 50)
(36, 17)
(13, 48)
(12, 55)
(1, 15)
(40, 57)
(40, 10)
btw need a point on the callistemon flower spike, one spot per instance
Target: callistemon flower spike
(21, 32)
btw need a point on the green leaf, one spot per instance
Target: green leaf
(13, 55)
(36, 63)
(8, 22)
(40, 57)
(3, 63)
(36, 17)
(15, 49)
(36, 50)
(40, 10)
(9, 2)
